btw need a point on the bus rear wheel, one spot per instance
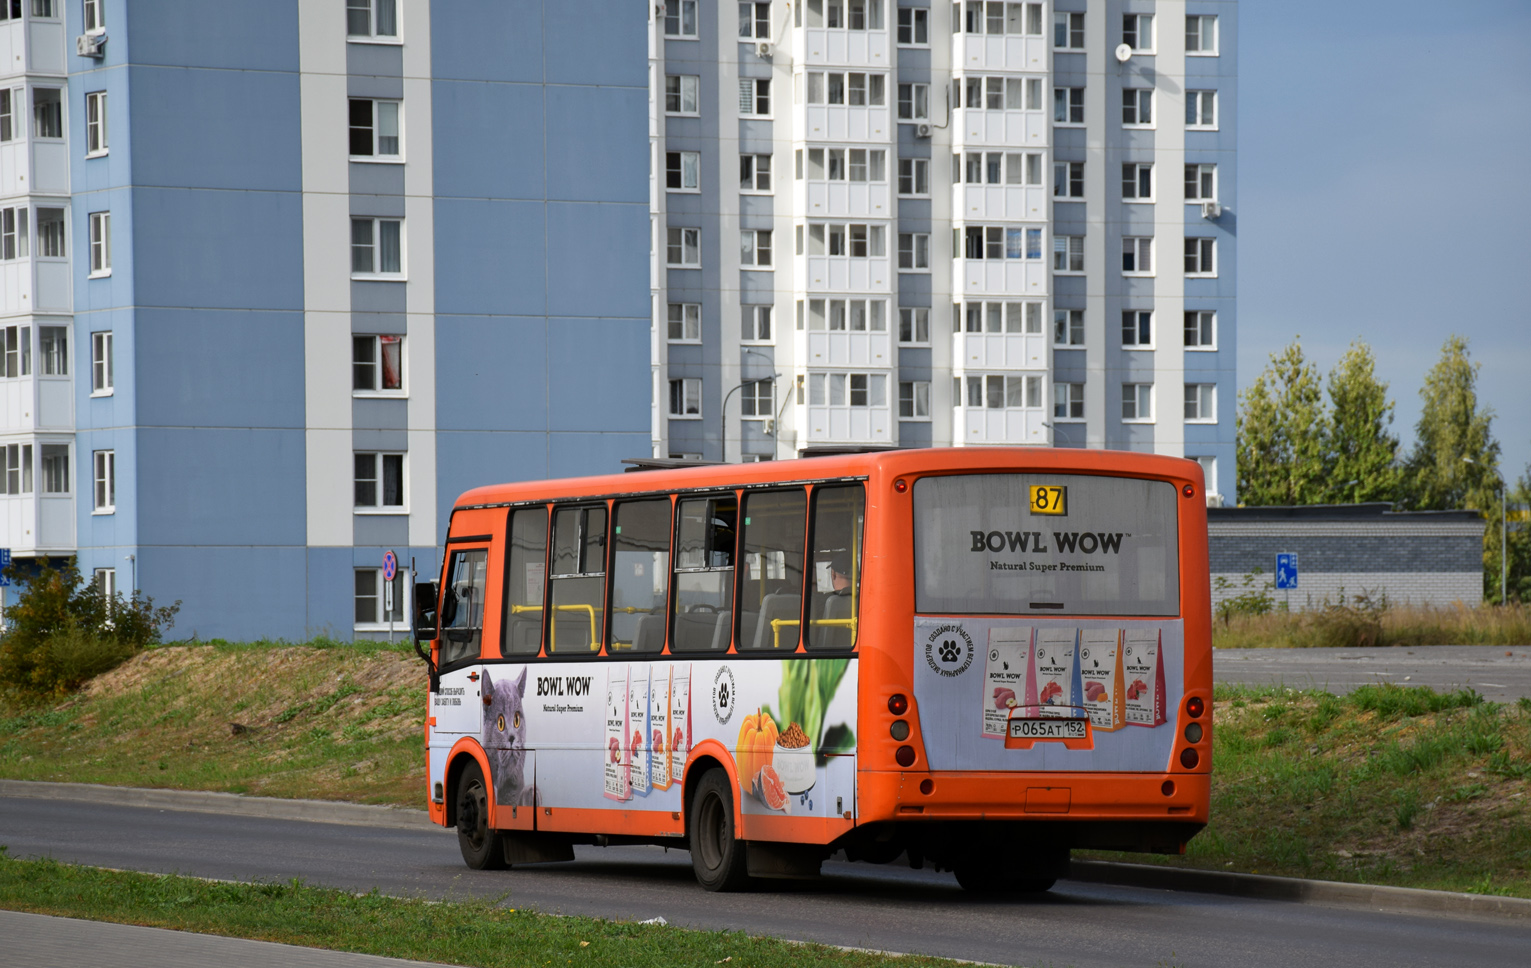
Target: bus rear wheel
(717, 855)
(482, 847)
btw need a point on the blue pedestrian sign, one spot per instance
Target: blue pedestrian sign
(5, 562)
(1286, 570)
(391, 565)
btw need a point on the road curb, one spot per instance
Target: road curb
(1399, 900)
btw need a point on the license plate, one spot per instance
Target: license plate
(1047, 728)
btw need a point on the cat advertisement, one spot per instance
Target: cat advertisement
(1057, 673)
(1009, 679)
(1100, 676)
(1143, 670)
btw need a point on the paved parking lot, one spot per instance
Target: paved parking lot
(1500, 673)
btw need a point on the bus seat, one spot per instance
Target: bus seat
(777, 605)
(650, 635)
(835, 636)
(694, 631)
(723, 631)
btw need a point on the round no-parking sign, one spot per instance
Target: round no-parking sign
(390, 565)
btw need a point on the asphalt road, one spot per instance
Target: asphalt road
(1500, 673)
(884, 908)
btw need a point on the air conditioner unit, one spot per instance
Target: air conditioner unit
(763, 49)
(90, 45)
(769, 427)
(1211, 210)
(922, 131)
(1214, 500)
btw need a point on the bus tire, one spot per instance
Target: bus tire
(717, 855)
(482, 847)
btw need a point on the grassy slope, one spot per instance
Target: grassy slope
(1385, 785)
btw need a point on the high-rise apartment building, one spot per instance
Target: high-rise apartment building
(279, 281)
(916, 222)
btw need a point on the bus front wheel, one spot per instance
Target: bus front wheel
(481, 845)
(717, 855)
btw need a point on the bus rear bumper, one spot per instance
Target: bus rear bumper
(913, 796)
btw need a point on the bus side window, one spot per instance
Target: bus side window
(835, 578)
(524, 579)
(771, 590)
(640, 575)
(704, 574)
(579, 579)
(462, 606)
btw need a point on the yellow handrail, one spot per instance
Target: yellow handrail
(777, 624)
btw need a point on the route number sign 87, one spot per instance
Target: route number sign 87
(1049, 499)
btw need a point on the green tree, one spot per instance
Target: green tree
(1517, 544)
(1280, 427)
(1452, 429)
(1360, 446)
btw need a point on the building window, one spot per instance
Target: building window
(373, 596)
(95, 16)
(101, 379)
(1068, 105)
(856, 240)
(47, 112)
(1002, 317)
(13, 233)
(1201, 402)
(913, 27)
(7, 116)
(756, 324)
(680, 19)
(1201, 257)
(1138, 31)
(1200, 329)
(847, 389)
(998, 18)
(16, 469)
(100, 243)
(377, 247)
(847, 164)
(684, 248)
(755, 248)
(755, 399)
(374, 128)
(1137, 329)
(754, 173)
(372, 18)
(680, 93)
(999, 93)
(1068, 31)
(1201, 183)
(379, 482)
(53, 347)
(95, 124)
(1137, 256)
(1068, 179)
(1201, 34)
(913, 175)
(104, 495)
(50, 233)
(1138, 182)
(1201, 109)
(1138, 107)
(755, 97)
(104, 580)
(998, 392)
(914, 102)
(854, 315)
(914, 400)
(843, 14)
(1068, 401)
(1137, 402)
(18, 350)
(856, 89)
(1208, 472)
(914, 251)
(999, 242)
(686, 397)
(754, 21)
(683, 171)
(55, 468)
(1068, 327)
(377, 363)
(685, 322)
(1068, 253)
(913, 325)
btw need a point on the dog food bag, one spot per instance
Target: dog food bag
(1057, 673)
(1008, 685)
(616, 755)
(1143, 676)
(659, 729)
(680, 719)
(638, 730)
(1100, 676)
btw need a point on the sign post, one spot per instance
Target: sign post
(5, 582)
(1286, 574)
(390, 569)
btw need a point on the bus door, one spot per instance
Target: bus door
(457, 706)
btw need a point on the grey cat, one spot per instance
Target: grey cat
(505, 742)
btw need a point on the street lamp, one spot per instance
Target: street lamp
(1504, 529)
(775, 381)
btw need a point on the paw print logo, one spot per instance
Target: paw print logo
(949, 651)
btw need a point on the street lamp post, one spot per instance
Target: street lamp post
(1504, 530)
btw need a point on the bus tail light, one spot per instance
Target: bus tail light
(904, 756)
(1189, 490)
(1188, 758)
(899, 730)
(898, 704)
(1194, 707)
(1193, 733)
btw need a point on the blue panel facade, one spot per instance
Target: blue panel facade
(218, 368)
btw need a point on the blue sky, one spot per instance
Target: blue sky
(1385, 193)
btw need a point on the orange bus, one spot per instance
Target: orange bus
(975, 659)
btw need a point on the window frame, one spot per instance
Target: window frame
(377, 367)
(756, 173)
(1139, 169)
(380, 614)
(1206, 320)
(757, 243)
(102, 377)
(685, 322)
(1138, 333)
(1199, 98)
(1065, 245)
(374, 125)
(1201, 50)
(45, 478)
(919, 21)
(750, 391)
(918, 404)
(750, 323)
(1142, 249)
(914, 101)
(669, 246)
(1205, 403)
(679, 171)
(1202, 170)
(1068, 328)
(919, 322)
(1137, 31)
(916, 166)
(1072, 104)
(1071, 399)
(1073, 177)
(372, 36)
(96, 130)
(687, 399)
(680, 95)
(380, 464)
(1072, 24)
(1133, 98)
(1139, 393)
(100, 232)
(375, 244)
(755, 98)
(103, 465)
(681, 7)
(1204, 244)
(914, 250)
(754, 20)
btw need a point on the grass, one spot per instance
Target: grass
(1363, 622)
(1387, 785)
(470, 932)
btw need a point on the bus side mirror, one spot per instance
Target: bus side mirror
(426, 596)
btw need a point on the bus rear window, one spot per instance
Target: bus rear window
(1045, 544)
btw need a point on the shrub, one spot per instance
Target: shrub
(1253, 600)
(64, 631)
